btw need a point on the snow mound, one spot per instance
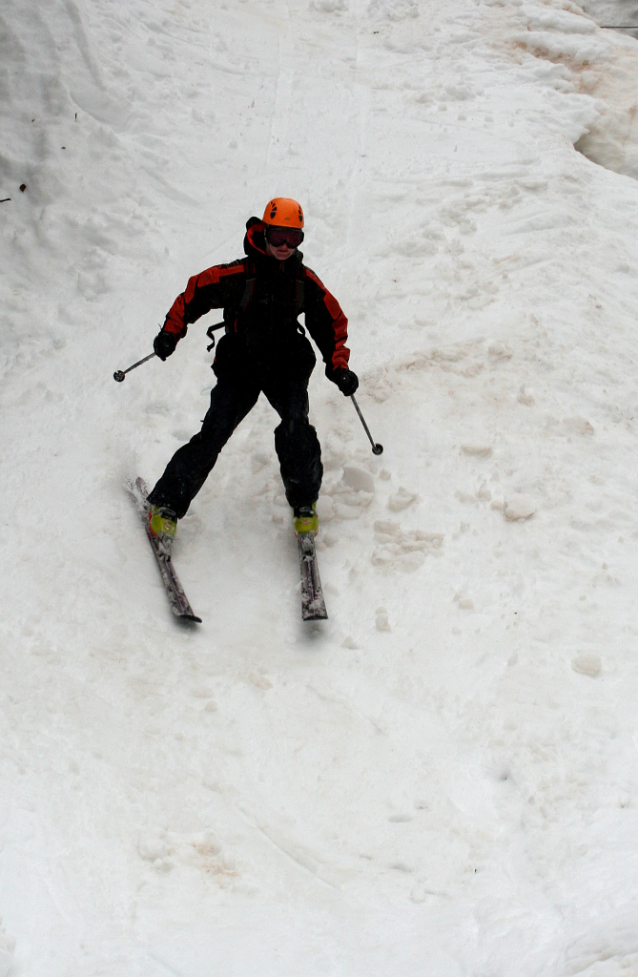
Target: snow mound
(599, 64)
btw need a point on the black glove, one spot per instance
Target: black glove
(164, 344)
(346, 380)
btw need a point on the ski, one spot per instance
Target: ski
(180, 605)
(313, 605)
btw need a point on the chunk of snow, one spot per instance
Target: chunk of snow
(401, 499)
(358, 479)
(519, 507)
(578, 425)
(499, 351)
(587, 664)
(381, 620)
(403, 550)
(479, 450)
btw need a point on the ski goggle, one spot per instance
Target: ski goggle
(278, 236)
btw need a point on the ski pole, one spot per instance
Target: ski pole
(377, 449)
(119, 375)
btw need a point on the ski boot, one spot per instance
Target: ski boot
(306, 521)
(162, 526)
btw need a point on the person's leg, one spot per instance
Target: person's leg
(189, 467)
(296, 441)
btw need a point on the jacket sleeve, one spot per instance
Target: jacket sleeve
(326, 323)
(214, 288)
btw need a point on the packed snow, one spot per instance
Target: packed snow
(442, 779)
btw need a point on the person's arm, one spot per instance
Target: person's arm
(328, 327)
(214, 288)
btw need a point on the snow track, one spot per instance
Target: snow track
(443, 779)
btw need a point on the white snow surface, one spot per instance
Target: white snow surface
(442, 780)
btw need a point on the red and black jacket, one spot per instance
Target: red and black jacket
(262, 298)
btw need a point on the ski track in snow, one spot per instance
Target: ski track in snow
(443, 779)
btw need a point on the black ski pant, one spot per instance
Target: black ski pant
(231, 399)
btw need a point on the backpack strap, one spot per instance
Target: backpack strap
(232, 312)
(249, 288)
(300, 291)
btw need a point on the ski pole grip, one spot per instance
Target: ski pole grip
(120, 375)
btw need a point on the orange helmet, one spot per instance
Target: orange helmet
(283, 212)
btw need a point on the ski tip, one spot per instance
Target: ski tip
(320, 614)
(186, 616)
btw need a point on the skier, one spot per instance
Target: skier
(264, 349)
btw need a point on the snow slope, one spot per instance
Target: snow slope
(443, 780)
